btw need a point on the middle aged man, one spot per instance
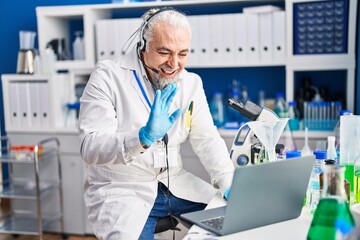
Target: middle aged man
(134, 111)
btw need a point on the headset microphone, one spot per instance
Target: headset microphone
(143, 62)
(152, 69)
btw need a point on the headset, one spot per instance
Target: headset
(142, 43)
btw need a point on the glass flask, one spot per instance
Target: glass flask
(332, 219)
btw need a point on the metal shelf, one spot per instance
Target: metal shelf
(10, 157)
(29, 187)
(23, 191)
(25, 225)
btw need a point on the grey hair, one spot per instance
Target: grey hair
(172, 17)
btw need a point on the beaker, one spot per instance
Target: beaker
(332, 218)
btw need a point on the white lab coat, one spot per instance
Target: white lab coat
(121, 182)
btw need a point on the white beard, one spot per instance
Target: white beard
(161, 83)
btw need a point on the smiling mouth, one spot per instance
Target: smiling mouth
(168, 73)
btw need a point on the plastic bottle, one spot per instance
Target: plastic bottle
(294, 121)
(332, 218)
(261, 98)
(233, 116)
(280, 107)
(357, 180)
(217, 109)
(48, 61)
(37, 64)
(331, 151)
(357, 171)
(244, 98)
(313, 193)
(337, 131)
(78, 46)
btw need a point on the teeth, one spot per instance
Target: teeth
(168, 73)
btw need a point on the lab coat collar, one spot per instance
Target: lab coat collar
(131, 61)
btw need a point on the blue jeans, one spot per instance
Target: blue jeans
(164, 207)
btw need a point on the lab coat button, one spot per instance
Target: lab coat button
(158, 177)
(147, 205)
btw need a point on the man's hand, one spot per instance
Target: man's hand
(159, 121)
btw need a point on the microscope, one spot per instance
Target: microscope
(246, 146)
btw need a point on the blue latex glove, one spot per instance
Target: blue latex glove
(159, 121)
(227, 193)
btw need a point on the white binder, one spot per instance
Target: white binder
(24, 104)
(134, 24)
(14, 110)
(253, 37)
(112, 40)
(229, 35)
(44, 104)
(122, 33)
(279, 29)
(101, 40)
(204, 32)
(216, 39)
(240, 38)
(261, 9)
(193, 56)
(266, 37)
(34, 104)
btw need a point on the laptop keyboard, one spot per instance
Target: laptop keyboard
(216, 223)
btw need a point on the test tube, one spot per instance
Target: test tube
(306, 114)
(315, 115)
(333, 114)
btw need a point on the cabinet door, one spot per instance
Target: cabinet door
(73, 200)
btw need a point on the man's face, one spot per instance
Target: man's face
(167, 53)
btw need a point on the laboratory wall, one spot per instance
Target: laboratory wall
(19, 15)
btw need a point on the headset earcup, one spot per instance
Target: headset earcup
(142, 42)
(143, 45)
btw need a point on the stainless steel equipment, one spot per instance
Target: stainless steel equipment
(25, 61)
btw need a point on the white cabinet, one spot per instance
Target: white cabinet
(55, 22)
(73, 184)
(35, 102)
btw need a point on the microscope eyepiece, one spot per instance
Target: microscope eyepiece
(250, 110)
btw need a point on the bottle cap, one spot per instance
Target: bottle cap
(292, 154)
(320, 155)
(293, 103)
(280, 95)
(330, 162)
(344, 112)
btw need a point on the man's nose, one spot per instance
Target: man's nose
(173, 61)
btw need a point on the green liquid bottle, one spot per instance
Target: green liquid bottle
(357, 180)
(332, 219)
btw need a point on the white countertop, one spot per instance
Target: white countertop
(293, 229)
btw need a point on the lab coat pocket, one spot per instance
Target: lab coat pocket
(183, 128)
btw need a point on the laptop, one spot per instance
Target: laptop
(260, 195)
